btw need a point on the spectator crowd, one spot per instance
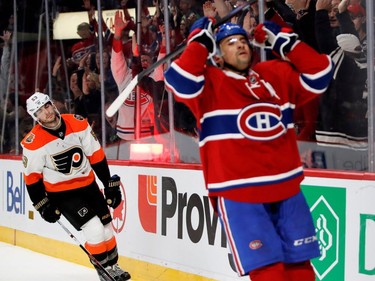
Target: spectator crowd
(97, 75)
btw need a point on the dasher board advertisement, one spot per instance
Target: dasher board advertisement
(165, 218)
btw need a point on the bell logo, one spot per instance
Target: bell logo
(147, 202)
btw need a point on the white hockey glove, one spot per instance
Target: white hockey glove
(349, 43)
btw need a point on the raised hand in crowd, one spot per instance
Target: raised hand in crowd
(83, 62)
(56, 67)
(323, 5)
(123, 3)
(249, 24)
(119, 24)
(298, 5)
(6, 37)
(343, 6)
(209, 9)
(222, 7)
(87, 4)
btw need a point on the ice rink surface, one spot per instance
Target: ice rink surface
(20, 264)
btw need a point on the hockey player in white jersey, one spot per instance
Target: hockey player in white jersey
(61, 156)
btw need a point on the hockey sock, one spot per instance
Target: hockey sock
(111, 246)
(99, 251)
(300, 271)
(274, 272)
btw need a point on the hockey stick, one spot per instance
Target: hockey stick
(116, 104)
(103, 271)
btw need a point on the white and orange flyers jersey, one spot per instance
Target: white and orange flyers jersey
(64, 163)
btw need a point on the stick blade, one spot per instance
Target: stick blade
(116, 104)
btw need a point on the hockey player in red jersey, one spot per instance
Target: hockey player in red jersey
(60, 155)
(247, 142)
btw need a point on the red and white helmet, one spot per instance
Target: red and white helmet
(35, 102)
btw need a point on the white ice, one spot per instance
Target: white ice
(20, 264)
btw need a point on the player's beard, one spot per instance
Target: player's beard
(52, 123)
(242, 65)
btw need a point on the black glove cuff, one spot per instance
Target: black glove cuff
(114, 181)
(205, 41)
(41, 203)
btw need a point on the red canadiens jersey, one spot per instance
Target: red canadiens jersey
(247, 140)
(63, 163)
(81, 48)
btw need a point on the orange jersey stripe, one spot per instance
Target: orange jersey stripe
(97, 156)
(32, 178)
(70, 184)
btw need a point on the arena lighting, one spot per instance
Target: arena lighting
(65, 24)
(146, 151)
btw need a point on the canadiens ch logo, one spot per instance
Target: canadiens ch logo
(130, 101)
(261, 121)
(255, 245)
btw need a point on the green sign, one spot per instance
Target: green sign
(328, 209)
(365, 219)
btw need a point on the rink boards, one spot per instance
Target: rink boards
(166, 229)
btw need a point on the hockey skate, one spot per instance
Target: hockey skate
(115, 272)
(120, 274)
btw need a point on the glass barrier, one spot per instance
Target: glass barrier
(85, 55)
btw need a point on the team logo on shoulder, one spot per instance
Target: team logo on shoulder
(24, 161)
(78, 117)
(261, 121)
(30, 137)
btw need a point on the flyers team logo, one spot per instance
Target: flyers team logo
(119, 214)
(68, 160)
(147, 202)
